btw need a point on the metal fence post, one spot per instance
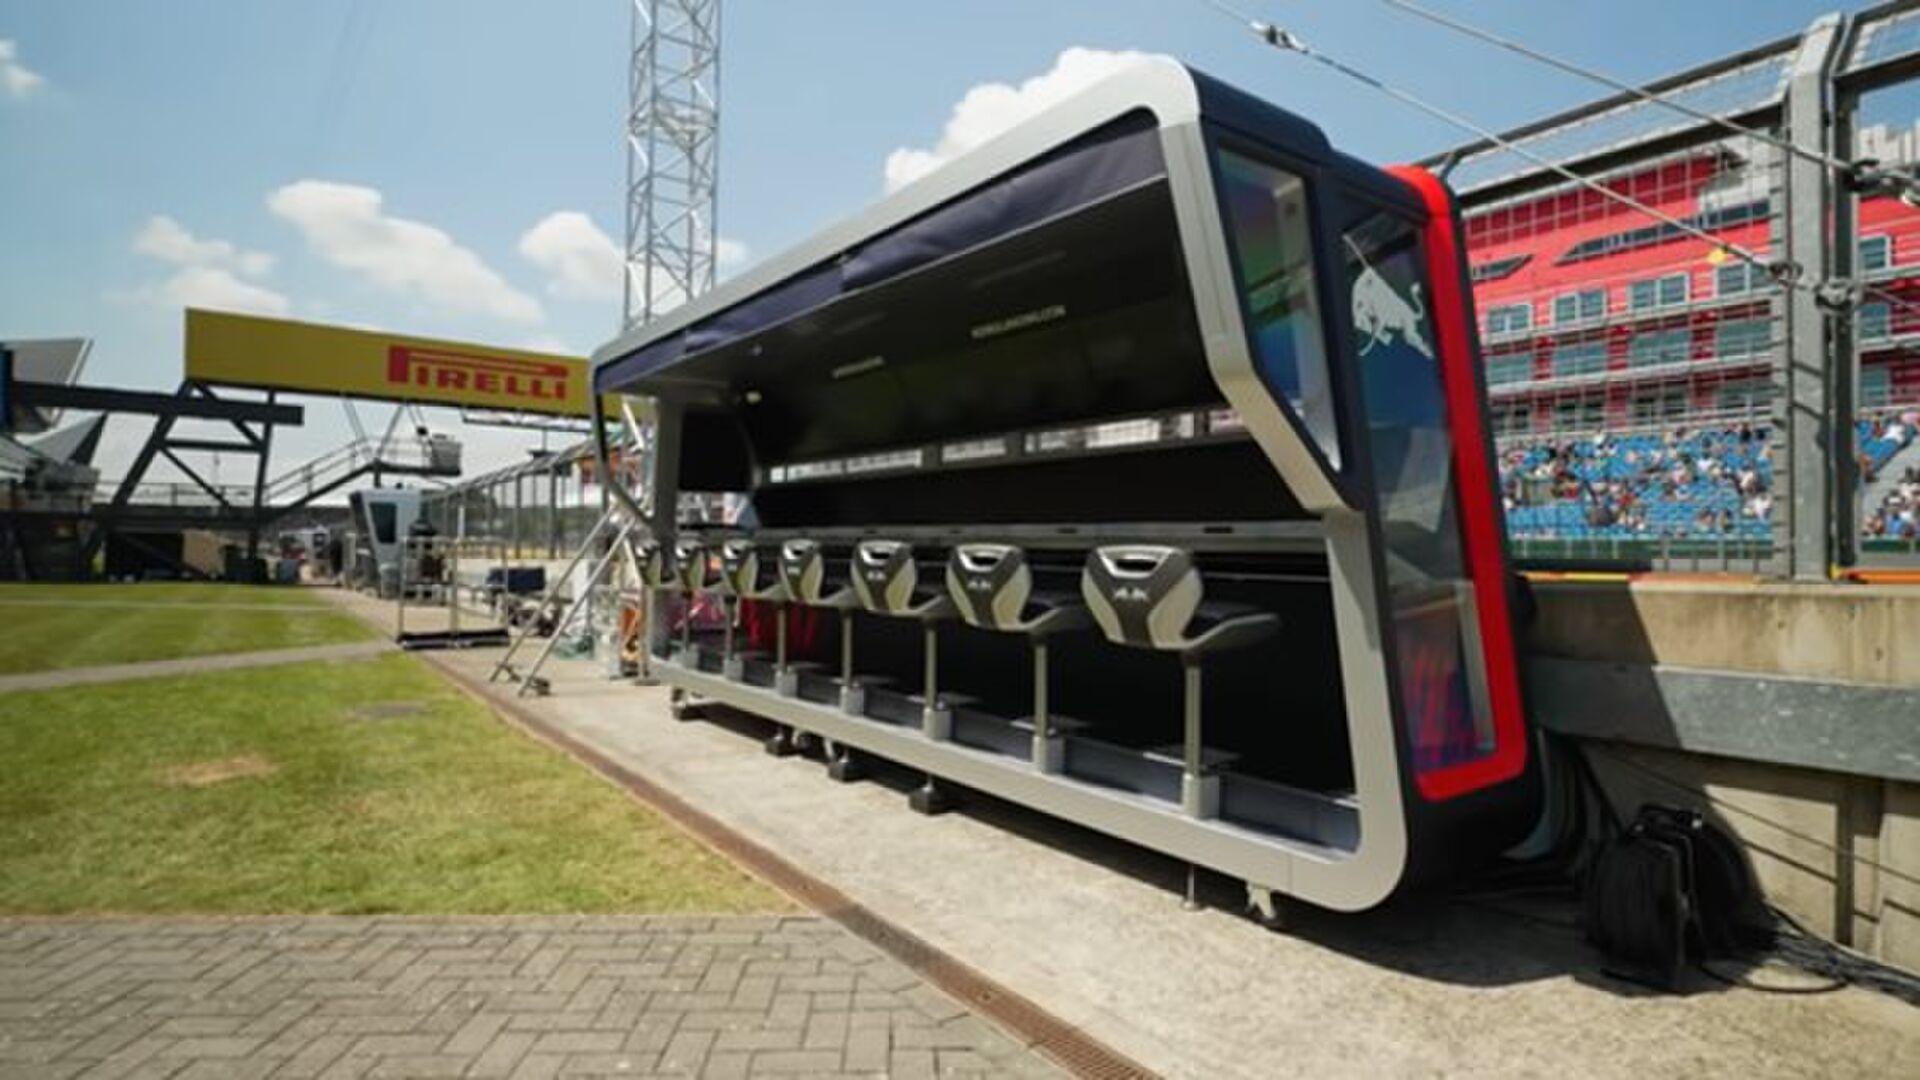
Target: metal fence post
(1812, 442)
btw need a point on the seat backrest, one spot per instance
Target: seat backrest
(656, 570)
(690, 565)
(885, 575)
(803, 571)
(739, 568)
(1142, 594)
(990, 584)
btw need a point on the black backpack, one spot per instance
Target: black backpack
(1672, 886)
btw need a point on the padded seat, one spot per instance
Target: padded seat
(654, 565)
(1152, 597)
(690, 568)
(1147, 596)
(810, 580)
(691, 575)
(743, 577)
(886, 578)
(991, 586)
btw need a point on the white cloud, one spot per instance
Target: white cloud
(209, 273)
(346, 225)
(549, 343)
(730, 253)
(583, 262)
(991, 108)
(214, 287)
(169, 241)
(15, 80)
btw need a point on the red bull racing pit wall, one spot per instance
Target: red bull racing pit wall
(1133, 468)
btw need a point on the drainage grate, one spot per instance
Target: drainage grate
(1067, 1046)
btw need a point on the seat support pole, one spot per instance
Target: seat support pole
(935, 720)
(780, 638)
(786, 683)
(853, 697)
(1199, 791)
(686, 628)
(1046, 747)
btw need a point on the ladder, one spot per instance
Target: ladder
(622, 530)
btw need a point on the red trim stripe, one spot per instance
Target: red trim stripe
(1479, 513)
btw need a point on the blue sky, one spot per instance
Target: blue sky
(448, 167)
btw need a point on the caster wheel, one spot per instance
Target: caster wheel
(679, 706)
(781, 743)
(1265, 908)
(844, 765)
(932, 798)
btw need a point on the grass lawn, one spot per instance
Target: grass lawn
(163, 592)
(371, 786)
(44, 627)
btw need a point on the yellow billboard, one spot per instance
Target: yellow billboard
(309, 358)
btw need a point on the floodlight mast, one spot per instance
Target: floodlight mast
(673, 144)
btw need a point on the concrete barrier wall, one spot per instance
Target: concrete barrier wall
(1789, 714)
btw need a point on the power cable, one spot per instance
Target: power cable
(1852, 169)
(1734, 808)
(1833, 297)
(1285, 40)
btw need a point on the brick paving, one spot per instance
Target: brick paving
(624, 996)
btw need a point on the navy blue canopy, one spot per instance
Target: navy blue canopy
(1104, 163)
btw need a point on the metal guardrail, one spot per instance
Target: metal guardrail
(185, 496)
(1704, 554)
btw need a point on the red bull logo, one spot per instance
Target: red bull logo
(491, 376)
(1381, 315)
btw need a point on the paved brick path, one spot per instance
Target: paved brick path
(481, 997)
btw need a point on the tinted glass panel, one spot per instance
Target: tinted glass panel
(1412, 448)
(1659, 347)
(1739, 338)
(1511, 368)
(1873, 321)
(1580, 358)
(385, 522)
(1267, 213)
(1875, 253)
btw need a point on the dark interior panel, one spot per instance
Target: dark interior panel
(1197, 482)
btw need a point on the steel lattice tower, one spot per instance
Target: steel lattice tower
(673, 144)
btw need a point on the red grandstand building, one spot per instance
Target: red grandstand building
(1601, 322)
(1596, 315)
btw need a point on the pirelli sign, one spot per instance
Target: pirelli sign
(310, 358)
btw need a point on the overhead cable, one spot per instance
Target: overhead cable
(1831, 296)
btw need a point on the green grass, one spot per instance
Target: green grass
(163, 592)
(48, 627)
(445, 810)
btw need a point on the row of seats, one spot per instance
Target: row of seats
(1137, 595)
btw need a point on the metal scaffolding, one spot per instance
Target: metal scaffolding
(673, 145)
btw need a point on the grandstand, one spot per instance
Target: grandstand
(1638, 375)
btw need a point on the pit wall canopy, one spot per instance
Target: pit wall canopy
(926, 224)
(310, 358)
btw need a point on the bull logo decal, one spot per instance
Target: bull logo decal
(1380, 314)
